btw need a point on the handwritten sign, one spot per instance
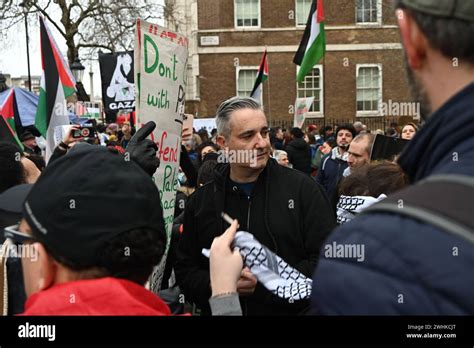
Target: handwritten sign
(302, 106)
(160, 71)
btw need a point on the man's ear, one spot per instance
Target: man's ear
(220, 140)
(47, 267)
(414, 41)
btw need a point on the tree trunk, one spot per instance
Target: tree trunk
(71, 51)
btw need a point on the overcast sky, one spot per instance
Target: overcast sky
(13, 53)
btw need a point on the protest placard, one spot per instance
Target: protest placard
(160, 73)
(302, 107)
(117, 75)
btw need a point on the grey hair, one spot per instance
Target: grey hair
(278, 153)
(228, 107)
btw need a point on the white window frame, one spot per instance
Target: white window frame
(371, 24)
(380, 97)
(246, 67)
(192, 85)
(248, 27)
(296, 20)
(313, 114)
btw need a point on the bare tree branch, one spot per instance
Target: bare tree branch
(88, 25)
(94, 46)
(44, 13)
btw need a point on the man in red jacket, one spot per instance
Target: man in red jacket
(92, 231)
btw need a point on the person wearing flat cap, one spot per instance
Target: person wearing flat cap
(416, 262)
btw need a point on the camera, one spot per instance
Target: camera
(87, 131)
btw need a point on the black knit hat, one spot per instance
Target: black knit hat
(87, 197)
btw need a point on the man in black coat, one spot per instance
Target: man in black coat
(299, 152)
(285, 210)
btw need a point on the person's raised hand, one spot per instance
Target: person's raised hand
(186, 135)
(143, 150)
(225, 264)
(68, 137)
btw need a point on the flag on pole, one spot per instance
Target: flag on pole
(7, 120)
(313, 45)
(57, 83)
(262, 76)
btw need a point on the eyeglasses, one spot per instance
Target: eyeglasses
(17, 237)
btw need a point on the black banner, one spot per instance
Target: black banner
(118, 89)
(386, 148)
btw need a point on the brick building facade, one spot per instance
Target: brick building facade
(363, 66)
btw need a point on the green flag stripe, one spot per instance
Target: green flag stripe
(313, 55)
(41, 119)
(68, 91)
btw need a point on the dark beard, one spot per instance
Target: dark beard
(418, 92)
(344, 147)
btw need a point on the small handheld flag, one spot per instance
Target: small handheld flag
(262, 76)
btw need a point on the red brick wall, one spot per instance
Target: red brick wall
(275, 14)
(218, 72)
(213, 14)
(218, 80)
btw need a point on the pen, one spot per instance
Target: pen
(227, 218)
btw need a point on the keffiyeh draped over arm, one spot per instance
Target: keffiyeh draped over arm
(271, 270)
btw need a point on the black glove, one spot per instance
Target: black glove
(142, 150)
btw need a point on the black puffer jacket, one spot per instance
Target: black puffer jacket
(287, 212)
(299, 154)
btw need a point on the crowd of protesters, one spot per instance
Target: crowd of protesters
(289, 166)
(93, 224)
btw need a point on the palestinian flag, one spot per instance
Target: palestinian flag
(262, 76)
(313, 45)
(57, 83)
(7, 120)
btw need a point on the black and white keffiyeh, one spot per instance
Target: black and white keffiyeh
(271, 270)
(336, 154)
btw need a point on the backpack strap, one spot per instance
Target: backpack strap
(444, 201)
